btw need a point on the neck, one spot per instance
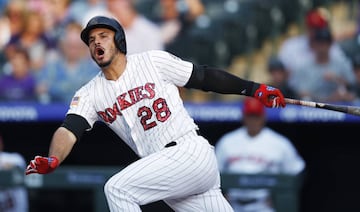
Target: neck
(322, 59)
(116, 68)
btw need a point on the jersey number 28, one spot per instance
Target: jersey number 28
(159, 109)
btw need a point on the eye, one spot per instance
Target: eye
(91, 40)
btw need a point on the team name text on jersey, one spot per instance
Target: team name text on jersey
(126, 100)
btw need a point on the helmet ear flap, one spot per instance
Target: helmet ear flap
(120, 41)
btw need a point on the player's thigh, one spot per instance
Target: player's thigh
(174, 172)
(210, 201)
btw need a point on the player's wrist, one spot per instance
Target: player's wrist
(53, 162)
(254, 89)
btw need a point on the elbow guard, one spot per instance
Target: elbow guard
(76, 124)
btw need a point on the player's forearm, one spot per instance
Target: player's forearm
(219, 81)
(62, 143)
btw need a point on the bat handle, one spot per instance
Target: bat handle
(300, 102)
(291, 101)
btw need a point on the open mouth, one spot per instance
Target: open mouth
(99, 51)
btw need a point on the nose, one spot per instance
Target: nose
(97, 41)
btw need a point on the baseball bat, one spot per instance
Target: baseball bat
(340, 108)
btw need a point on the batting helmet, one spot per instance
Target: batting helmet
(109, 23)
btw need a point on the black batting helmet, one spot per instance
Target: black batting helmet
(109, 23)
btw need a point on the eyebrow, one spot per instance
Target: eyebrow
(100, 33)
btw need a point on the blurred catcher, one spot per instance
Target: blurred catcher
(255, 149)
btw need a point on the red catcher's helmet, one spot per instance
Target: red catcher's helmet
(317, 18)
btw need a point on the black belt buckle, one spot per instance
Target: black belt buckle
(172, 143)
(198, 132)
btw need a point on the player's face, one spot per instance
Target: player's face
(254, 123)
(102, 46)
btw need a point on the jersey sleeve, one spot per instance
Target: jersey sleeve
(221, 154)
(293, 163)
(82, 104)
(172, 68)
(18, 160)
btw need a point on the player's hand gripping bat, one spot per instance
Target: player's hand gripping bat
(340, 108)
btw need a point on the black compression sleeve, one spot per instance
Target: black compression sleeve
(219, 81)
(76, 124)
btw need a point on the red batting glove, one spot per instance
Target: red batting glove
(269, 96)
(42, 165)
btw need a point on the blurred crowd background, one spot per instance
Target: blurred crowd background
(309, 49)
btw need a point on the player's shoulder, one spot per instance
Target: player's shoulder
(161, 54)
(273, 132)
(233, 135)
(294, 42)
(148, 53)
(276, 136)
(6, 154)
(13, 157)
(297, 39)
(159, 57)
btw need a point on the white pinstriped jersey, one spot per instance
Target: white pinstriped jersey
(267, 152)
(143, 107)
(13, 199)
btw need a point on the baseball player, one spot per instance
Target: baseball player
(12, 199)
(254, 148)
(137, 97)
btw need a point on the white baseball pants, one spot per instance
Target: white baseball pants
(185, 176)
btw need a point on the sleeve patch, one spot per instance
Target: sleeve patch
(75, 101)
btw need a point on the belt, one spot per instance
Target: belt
(173, 143)
(246, 202)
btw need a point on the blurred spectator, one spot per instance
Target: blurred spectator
(279, 77)
(59, 79)
(351, 43)
(175, 19)
(83, 11)
(255, 149)
(141, 33)
(19, 84)
(176, 16)
(36, 5)
(296, 50)
(324, 78)
(57, 16)
(11, 22)
(32, 37)
(12, 199)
